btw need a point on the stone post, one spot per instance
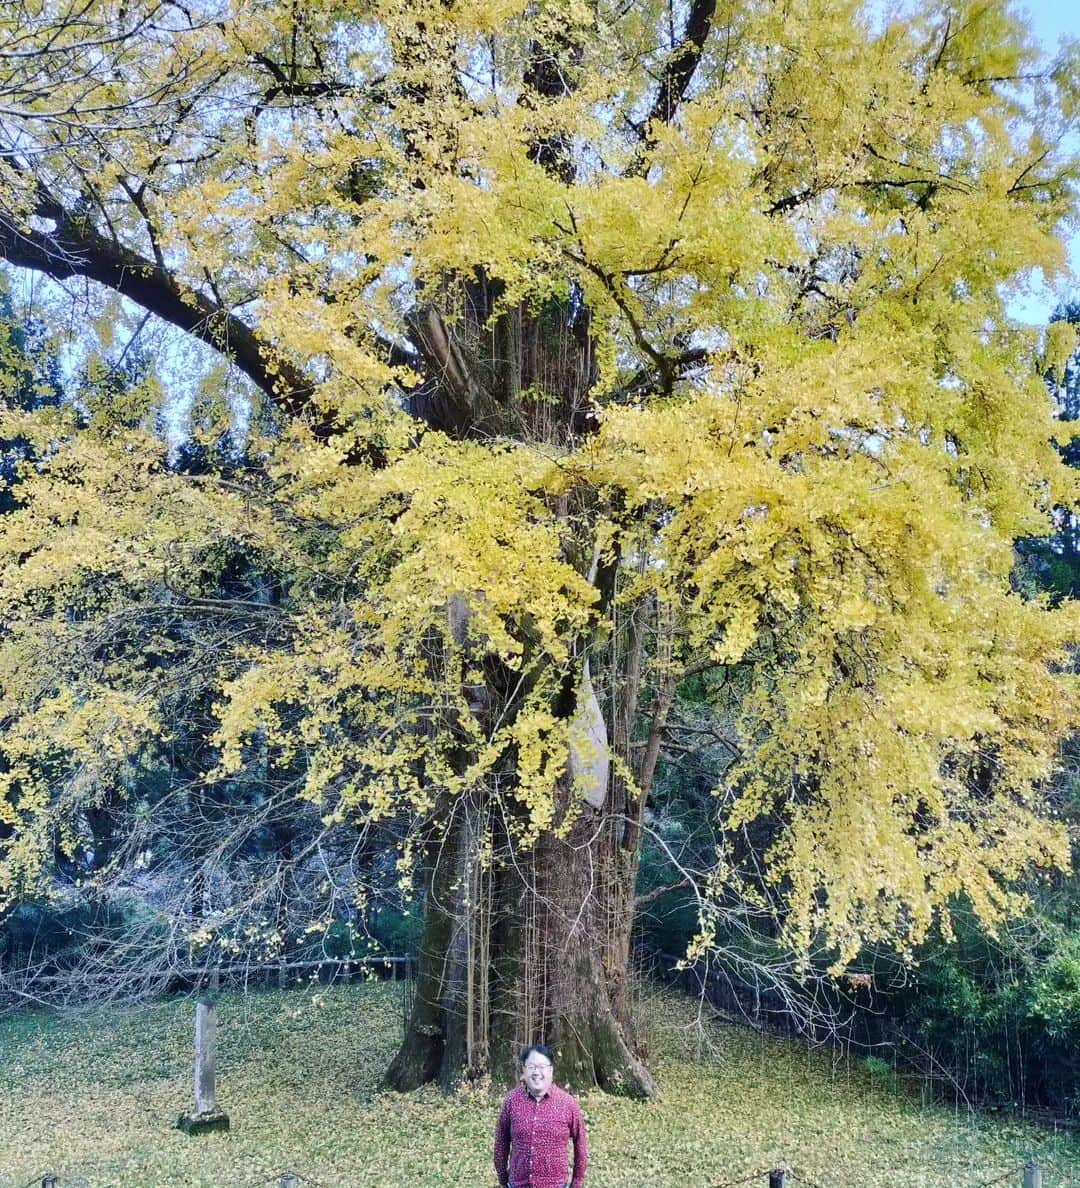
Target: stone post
(1033, 1175)
(206, 1115)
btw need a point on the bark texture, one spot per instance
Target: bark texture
(534, 949)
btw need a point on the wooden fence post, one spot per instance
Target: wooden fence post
(206, 1116)
(1033, 1175)
(778, 1178)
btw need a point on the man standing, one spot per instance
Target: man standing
(535, 1124)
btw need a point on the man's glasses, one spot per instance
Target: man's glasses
(538, 1068)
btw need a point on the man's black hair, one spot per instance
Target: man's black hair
(540, 1049)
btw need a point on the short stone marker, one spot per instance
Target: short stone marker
(207, 1116)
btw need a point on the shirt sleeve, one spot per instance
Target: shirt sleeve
(581, 1144)
(501, 1152)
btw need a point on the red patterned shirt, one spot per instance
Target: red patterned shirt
(534, 1134)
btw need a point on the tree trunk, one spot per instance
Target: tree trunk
(584, 907)
(534, 946)
(533, 950)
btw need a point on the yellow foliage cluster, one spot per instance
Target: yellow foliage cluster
(826, 499)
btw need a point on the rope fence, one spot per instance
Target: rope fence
(1023, 1175)
(795, 1178)
(284, 1179)
(1031, 1171)
(745, 1180)
(287, 1179)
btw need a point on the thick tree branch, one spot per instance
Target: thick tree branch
(74, 248)
(676, 78)
(453, 400)
(647, 380)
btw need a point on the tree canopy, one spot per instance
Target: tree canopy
(593, 345)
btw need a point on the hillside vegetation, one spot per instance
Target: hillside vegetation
(95, 1098)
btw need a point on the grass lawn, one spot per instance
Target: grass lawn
(95, 1097)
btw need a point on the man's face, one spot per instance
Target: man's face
(538, 1074)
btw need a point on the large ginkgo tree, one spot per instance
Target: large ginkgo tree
(597, 344)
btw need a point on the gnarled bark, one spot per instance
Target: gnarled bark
(533, 950)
